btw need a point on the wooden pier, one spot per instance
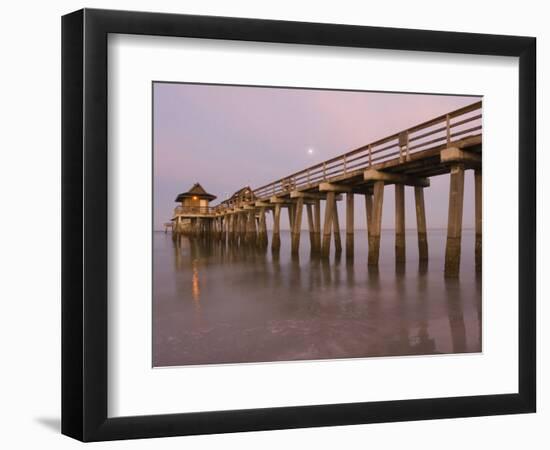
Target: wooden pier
(447, 144)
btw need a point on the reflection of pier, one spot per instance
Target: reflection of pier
(389, 314)
(447, 144)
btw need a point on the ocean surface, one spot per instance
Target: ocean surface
(215, 304)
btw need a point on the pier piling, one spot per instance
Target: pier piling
(400, 223)
(368, 211)
(376, 224)
(276, 233)
(297, 226)
(317, 225)
(454, 227)
(421, 223)
(336, 229)
(478, 218)
(311, 227)
(349, 225)
(330, 203)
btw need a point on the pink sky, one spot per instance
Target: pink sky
(226, 137)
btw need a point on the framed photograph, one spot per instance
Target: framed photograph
(272, 224)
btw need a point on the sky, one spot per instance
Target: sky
(227, 137)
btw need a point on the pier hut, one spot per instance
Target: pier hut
(193, 215)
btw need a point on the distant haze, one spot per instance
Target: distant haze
(227, 137)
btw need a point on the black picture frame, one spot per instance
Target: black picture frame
(84, 224)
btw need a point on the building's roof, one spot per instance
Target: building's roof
(196, 191)
(245, 193)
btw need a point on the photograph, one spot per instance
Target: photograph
(299, 224)
(267, 225)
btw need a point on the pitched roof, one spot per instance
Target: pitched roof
(196, 191)
(243, 193)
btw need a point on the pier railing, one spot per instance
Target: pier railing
(201, 210)
(444, 129)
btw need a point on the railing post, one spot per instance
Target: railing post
(308, 178)
(407, 157)
(448, 125)
(402, 142)
(370, 155)
(324, 170)
(345, 164)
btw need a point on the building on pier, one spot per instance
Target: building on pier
(193, 214)
(243, 195)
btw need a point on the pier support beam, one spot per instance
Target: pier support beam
(421, 223)
(290, 209)
(478, 217)
(251, 227)
(276, 238)
(368, 211)
(376, 224)
(349, 225)
(317, 225)
(400, 254)
(246, 226)
(297, 226)
(329, 209)
(262, 229)
(454, 227)
(232, 226)
(311, 227)
(336, 229)
(241, 222)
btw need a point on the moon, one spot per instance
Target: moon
(310, 151)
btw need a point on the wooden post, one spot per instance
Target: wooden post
(349, 225)
(244, 222)
(311, 227)
(454, 228)
(276, 239)
(242, 226)
(231, 228)
(262, 232)
(227, 226)
(329, 207)
(478, 217)
(421, 223)
(297, 226)
(290, 210)
(317, 224)
(400, 254)
(376, 224)
(336, 229)
(368, 210)
(291, 217)
(252, 226)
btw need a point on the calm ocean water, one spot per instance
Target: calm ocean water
(215, 305)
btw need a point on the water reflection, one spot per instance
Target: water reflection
(217, 303)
